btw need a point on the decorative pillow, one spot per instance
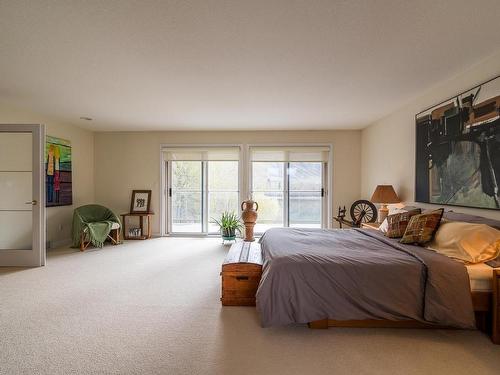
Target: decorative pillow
(421, 228)
(397, 223)
(471, 243)
(394, 210)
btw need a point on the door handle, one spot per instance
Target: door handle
(33, 202)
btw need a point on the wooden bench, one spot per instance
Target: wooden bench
(241, 272)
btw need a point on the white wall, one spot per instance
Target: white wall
(131, 160)
(82, 141)
(388, 145)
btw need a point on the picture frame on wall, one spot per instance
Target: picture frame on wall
(458, 149)
(140, 202)
(58, 176)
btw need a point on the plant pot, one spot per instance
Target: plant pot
(228, 234)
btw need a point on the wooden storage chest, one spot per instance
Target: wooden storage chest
(241, 272)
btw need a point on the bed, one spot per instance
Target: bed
(359, 277)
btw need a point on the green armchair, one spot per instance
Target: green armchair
(93, 224)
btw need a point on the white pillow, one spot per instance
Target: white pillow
(385, 224)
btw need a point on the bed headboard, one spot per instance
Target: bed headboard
(458, 216)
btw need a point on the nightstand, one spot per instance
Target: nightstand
(141, 233)
(370, 225)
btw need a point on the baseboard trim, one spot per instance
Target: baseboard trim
(58, 243)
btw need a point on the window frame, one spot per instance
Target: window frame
(170, 195)
(205, 196)
(244, 179)
(166, 185)
(208, 191)
(286, 191)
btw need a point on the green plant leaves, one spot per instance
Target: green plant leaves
(229, 220)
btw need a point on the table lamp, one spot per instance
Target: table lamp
(385, 195)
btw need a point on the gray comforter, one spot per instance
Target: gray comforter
(313, 274)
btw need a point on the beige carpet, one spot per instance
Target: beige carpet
(152, 307)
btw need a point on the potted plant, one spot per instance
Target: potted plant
(228, 223)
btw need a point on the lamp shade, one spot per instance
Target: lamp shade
(385, 194)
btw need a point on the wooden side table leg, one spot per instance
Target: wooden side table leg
(124, 221)
(149, 226)
(122, 227)
(141, 224)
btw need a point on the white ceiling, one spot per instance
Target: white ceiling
(248, 64)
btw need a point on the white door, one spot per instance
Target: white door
(22, 195)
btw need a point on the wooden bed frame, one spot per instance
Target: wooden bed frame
(486, 308)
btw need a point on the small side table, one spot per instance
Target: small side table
(142, 236)
(370, 225)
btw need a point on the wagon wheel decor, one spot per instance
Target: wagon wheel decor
(363, 211)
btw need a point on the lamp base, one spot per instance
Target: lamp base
(383, 212)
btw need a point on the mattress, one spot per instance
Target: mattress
(480, 276)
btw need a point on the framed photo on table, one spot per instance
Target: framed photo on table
(141, 201)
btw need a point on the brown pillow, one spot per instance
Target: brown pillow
(421, 228)
(397, 223)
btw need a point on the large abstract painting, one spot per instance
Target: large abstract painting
(58, 172)
(458, 149)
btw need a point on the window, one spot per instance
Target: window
(305, 194)
(202, 183)
(223, 193)
(268, 189)
(288, 183)
(186, 196)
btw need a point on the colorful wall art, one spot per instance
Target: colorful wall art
(59, 188)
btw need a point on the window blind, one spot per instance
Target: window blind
(202, 154)
(290, 154)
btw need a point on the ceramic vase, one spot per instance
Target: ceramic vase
(249, 216)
